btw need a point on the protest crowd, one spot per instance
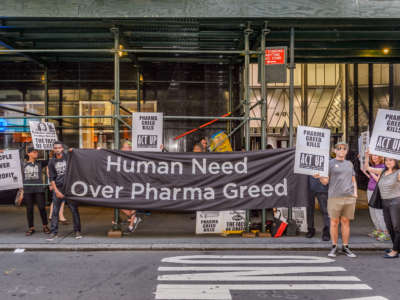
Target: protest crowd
(330, 179)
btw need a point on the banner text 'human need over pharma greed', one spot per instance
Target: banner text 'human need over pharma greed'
(185, 181)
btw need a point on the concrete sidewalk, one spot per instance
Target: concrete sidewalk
(160, 231)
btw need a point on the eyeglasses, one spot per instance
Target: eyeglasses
(341, 148)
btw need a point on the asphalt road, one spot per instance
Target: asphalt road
(197, 275)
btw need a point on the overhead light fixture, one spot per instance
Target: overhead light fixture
(121, 53)
(386, 50)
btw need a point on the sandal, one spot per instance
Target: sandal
(30, 232)
(46, 229)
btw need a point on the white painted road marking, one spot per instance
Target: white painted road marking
(368, 298)
(222, 291)
(19, 250)
(209, 270)
(246, 259)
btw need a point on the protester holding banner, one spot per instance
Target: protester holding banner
(32, 173)
(342, 196)
(389, 187)
(133, 220)
(57, 170)
(319, 191)
(374, 165)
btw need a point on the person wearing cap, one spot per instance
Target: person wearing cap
(342, 196)
(32, 173)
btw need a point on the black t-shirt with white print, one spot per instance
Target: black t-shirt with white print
(57, 170)
(32, 173)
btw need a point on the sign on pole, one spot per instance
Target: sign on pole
(312, 151)
(43, 135)
(385, 139)
(10, 170)
(275, 56)
(147, 131)
(363, 142)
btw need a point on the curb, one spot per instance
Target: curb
(182, 247)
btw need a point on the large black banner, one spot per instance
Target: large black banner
(185, 181)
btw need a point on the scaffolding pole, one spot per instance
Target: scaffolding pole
(263, 112)
(246, 105)
(115, 31)
(291, 101)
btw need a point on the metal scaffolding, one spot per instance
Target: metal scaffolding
(119, 119)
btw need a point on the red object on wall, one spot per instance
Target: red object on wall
(275, 56)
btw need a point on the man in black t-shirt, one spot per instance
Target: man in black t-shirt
(57, 170)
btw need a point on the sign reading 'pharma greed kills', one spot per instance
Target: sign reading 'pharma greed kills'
(312, 151)
(147, 131)
(385, 139)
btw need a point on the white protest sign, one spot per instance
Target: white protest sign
(299, 215)
(363, 142)
(220, 221)
(385, 139)
(312, 151)
(147, 131)
(208, 222)
(233, 220)
(43, 135)
(10, 170)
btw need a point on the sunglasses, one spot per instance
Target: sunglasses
(341, 148)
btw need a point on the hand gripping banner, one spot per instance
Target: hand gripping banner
(185, 181)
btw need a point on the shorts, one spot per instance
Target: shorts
(342, 207)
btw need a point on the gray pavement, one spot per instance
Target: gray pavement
(237, 275)
(160, 231)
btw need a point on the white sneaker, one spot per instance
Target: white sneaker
(348, 252)
(138, 220)
(52, 237)
(333, 252)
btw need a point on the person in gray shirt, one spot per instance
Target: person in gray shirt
(342, 196)
(389, 188)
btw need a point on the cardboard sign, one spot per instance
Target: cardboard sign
(10, 170)
(220, 221)
(363, 142)
(147, 131)
(299, 215)
(312, 151)
(208, 222)
(43, 135)
(385, 139)
(233, 220)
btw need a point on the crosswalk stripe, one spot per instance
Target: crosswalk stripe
(246, 259)
(245, 276)
(222, 292)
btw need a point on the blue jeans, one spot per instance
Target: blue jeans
(56, 211)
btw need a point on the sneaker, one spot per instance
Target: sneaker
(135, 224)
(348, 252)
(52, 237)
(333, 251)
(78, 235)
(382, 237)
(374, 234)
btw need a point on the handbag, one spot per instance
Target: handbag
(376, 199)
(278, 227)
(19, 197)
